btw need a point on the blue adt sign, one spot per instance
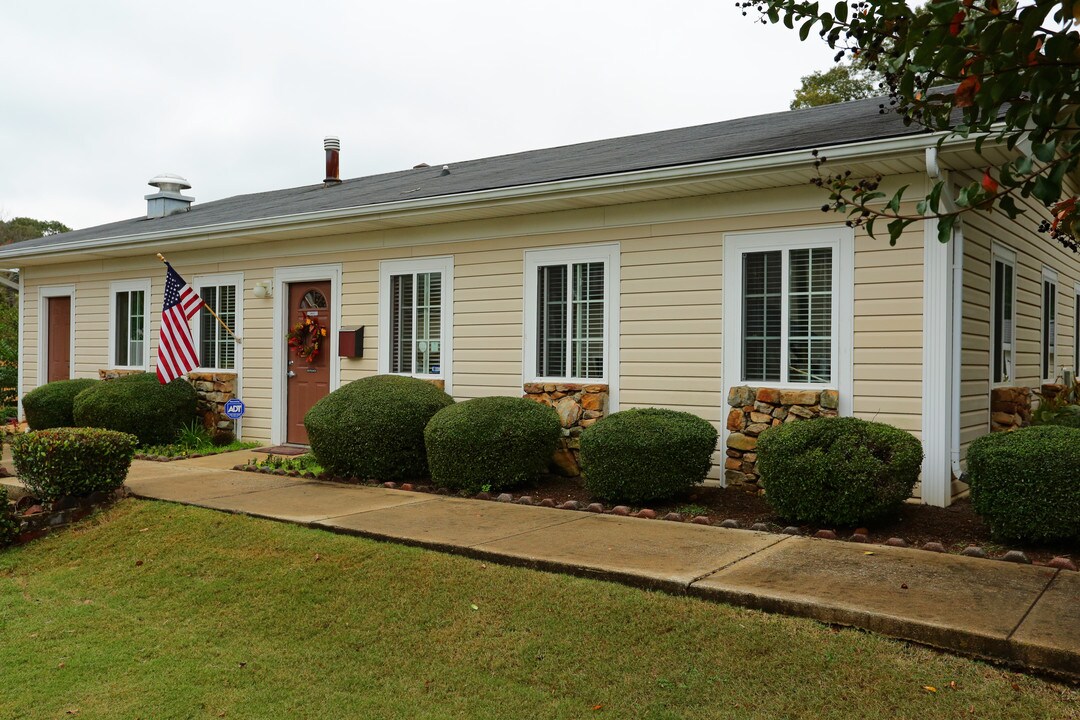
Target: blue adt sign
(234, 409)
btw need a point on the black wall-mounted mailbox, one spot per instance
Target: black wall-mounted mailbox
(351, 342)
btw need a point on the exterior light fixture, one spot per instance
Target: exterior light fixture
(263, 289)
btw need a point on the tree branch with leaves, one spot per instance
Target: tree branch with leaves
(987, 70)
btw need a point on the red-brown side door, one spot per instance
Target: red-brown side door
(58, 362)
(307, 380)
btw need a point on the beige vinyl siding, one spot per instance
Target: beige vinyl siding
(670, 295)
(888, 330)
(1033, 250)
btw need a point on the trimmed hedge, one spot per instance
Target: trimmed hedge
(374, 427)
(9, 527)
(50, 405)
(646, 454)
(837, 471)
(72, 461)
(1026, 483)
(499, 442)
(140, 405)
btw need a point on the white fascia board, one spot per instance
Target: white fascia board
(867, 150)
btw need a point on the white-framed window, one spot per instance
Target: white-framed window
(788, 307)
(1076, 330)
(1049, 325)
(416, 305)
(224, 294)
(129, 324)
(571, 314)
(1002, 316)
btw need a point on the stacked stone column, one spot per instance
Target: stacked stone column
(755, 410)
(1010, 408)
(578, 406)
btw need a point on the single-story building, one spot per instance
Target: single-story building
(691, 269)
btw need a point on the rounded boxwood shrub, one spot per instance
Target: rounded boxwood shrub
(498, 442)
(837, 471)
(138, 404)
(1026, 483)
(646, 454)
(50, 405)
(374, 428)
(72, 461)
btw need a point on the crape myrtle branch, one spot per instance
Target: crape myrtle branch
(989, 68)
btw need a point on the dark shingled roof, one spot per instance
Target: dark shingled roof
(823, 126)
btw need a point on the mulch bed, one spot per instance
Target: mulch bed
(955, 527)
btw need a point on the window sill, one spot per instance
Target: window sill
(565, 381)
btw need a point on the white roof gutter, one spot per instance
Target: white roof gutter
(866, 150)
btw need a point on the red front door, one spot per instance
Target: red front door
(58, 360)
(307, 380)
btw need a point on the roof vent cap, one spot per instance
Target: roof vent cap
(168, 199)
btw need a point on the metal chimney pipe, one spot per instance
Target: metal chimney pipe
(333, 150)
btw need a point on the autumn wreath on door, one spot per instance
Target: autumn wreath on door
(306, 338)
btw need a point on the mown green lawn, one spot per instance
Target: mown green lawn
(152, 610)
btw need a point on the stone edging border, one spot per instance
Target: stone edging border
(36, 521)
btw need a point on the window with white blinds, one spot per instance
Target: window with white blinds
(415, 314)
(416, 323)
(568, 299)
(1049, 325)
(570, 320)
(217, 348)
(129, 324)
(788, 323)
(1003, 323)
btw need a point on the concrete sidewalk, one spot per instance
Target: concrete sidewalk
(1019, 614)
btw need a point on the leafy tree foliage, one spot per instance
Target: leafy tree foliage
(839, 83)
(24, 228)
(984, 69)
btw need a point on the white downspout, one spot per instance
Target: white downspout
(957, 344)
(935, 172)
(22, 344)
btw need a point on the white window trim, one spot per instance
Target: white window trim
(1006, 255)
(1076, 330)
(842, 240)
(1051, 276)
(217, 280)
(44, 293)
(282, 276)
(408, 266)
(609, 254)
(127, 286)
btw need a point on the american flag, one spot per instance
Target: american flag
(176, 348)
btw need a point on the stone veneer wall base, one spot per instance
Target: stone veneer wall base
(755, 410)
(578, 406)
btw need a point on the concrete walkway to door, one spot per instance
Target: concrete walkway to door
(1020, 614)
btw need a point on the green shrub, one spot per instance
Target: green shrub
(50, 405)
(9, 527)
(140, 405)
(72, 461)
(374, 427)
(646, 454)
(1058, 405)
(499, 442)
(837, 471)
(1026, 483)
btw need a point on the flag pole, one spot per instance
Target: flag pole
(211, 311)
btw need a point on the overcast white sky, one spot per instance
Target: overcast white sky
(98, 97)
